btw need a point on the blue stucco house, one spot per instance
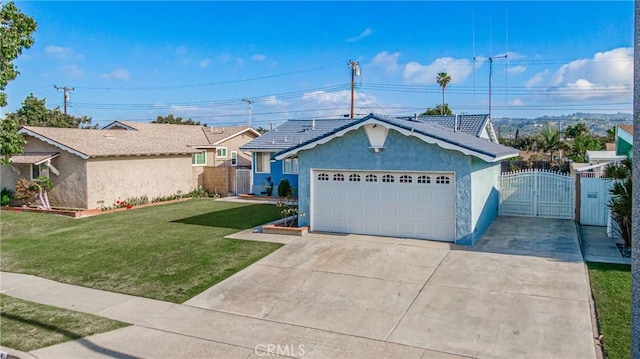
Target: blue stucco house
(402, 177)
(293, 132)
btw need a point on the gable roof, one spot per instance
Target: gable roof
(88, 143)
(428, 132)
(293, 132)
(195, 135)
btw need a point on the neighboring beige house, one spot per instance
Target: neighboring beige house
(90, 168)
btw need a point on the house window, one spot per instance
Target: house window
(354, 178)
(424, 179)
(40, 170)
(338, 177)
(406, 179)
(290, 165)
(442, 180)
(323, 177)
(388, 179)
(263, 162)
(221, 152)
(199, 159)
(371, 178)
(234, 158)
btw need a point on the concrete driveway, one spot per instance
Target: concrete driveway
(521, 292)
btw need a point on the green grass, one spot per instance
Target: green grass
(611, 287)
(169, 252)
(28, 326)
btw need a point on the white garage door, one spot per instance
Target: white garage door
(397, 204)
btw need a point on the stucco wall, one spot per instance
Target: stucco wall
(401, 153)
(118, 178)
(485, 195)
(276, 175)
(69, 187)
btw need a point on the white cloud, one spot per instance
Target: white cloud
(517, 102)
(537, 79)
(516, 69)
(224, 57)
(458, 69)
(204, 63)
(273, 101)
(389, 61)
(607, 74)
(73, 71)
(339, 103)
(258, 57)
(366, 32)
(117, 74)
(62, 53)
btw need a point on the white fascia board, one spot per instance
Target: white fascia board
(403, 131)
(25, 131)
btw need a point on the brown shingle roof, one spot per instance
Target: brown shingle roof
(146, 139)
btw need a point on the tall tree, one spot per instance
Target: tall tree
(580, 129)
(34, 112)
(176, 120)
(443, 80)
(11, 142)
(16, 31)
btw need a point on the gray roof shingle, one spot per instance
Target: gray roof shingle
(458, 138)
(293, 132)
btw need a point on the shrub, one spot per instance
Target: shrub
(6, 195)
(284, 188)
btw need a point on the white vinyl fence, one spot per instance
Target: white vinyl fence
(537, 193)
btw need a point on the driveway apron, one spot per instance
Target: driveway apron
(520, 292)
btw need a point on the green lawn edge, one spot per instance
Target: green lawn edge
(611, 289)
(169, 252)
(28, 326)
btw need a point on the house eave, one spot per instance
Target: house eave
(52, 142)
(407, 132)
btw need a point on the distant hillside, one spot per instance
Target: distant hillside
(599, 123)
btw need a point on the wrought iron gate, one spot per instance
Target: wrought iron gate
(537, 194)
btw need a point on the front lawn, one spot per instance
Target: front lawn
(169, 252)
(27, 326)
(611, 287)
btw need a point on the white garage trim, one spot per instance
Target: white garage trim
(407, 204)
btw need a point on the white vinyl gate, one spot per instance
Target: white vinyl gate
(537, 194)
(594, 196)
(243, 181)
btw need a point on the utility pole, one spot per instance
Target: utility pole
(355, 71)
(249, 102)
(65, 90)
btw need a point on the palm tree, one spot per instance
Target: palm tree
(620, 202)
(548, 140)
(443, 80)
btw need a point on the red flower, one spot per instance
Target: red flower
(129, 206)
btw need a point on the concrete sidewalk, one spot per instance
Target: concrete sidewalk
(598, 247)
(168, 330)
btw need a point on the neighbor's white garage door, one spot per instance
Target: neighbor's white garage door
(398, 204)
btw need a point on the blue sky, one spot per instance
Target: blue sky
(137, 60)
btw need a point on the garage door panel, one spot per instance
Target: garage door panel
(412, 206)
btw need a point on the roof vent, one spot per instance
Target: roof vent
(273, 141)
(313, 124)
(285, 138)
